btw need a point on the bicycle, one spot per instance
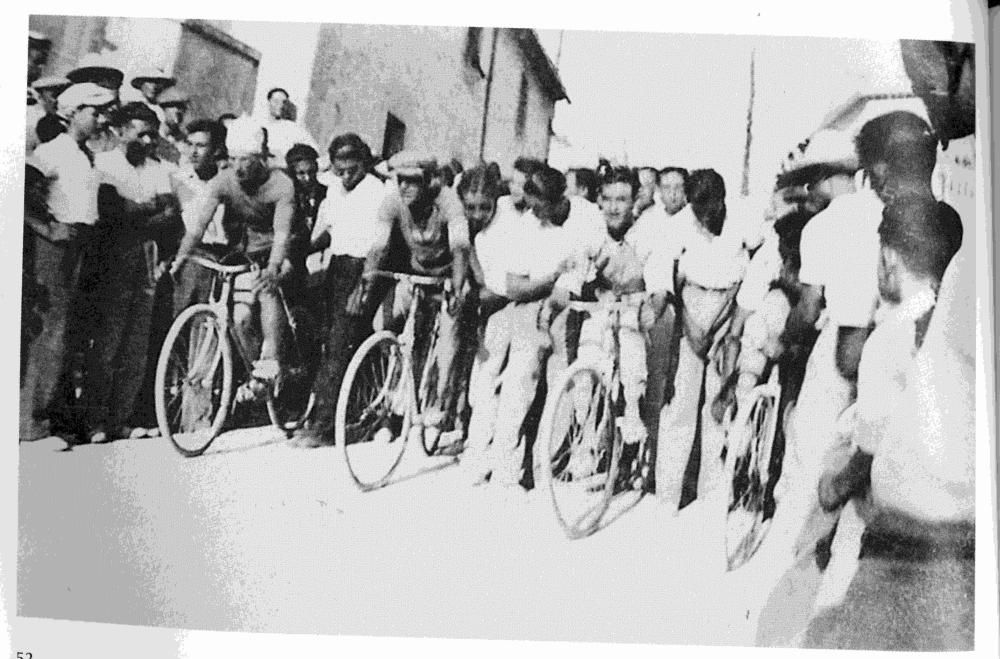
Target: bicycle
(581, 432)
(751, 472)
(195, 379)
(382, 400)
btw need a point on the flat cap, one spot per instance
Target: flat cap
(84, 94)
(412, 163)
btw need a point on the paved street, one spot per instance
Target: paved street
(257, 536)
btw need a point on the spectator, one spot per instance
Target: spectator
(341, 239)
(283, 133)
(57, 228)
(150, 83)
(302, 166)
(139, 213)
(172, 145)
(43, 120)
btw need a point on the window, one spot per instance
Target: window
(395, 136)
(473, 42)
(522, 106)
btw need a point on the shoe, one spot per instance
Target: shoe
(310, 439)
(433, 418)
(99, 437)
(266, 370)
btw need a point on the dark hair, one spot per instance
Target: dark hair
(216, 131)
(485, 179)
(586, 179)
(546, 183)
(703, 188)
(50, 127)
(349, 146)
(276, 90)
(672, 170)
(610, 175)
(924, 232)
(447, 175)
(528, 166)
(300, 152)
(135, 111)
(901, 139)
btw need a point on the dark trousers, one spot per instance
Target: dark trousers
(343, 337)
(117, 362)
(912, 591)
(54, 270)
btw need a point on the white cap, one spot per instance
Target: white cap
(82, 94)
(244, 136)
(834, 148)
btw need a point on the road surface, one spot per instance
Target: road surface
(258, 536)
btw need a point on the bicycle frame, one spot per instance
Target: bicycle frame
(407, 338)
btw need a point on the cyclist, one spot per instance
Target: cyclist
(432, 223)
(619, 267)
(260, 204)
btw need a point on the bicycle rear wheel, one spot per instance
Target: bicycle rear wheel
(373, 410)
(194, 380)
(579, 462)
(749, 472)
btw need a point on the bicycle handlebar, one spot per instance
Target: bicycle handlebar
(418, 280)
(220, 268)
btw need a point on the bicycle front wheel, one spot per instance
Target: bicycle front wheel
(749, 472)
(577, 436)
(291, 400)
(373, 410)
(194, 380)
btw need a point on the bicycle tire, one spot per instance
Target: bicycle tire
(367, 464)
(584, 466)
(173, 380)
(748, 472)
(290, 408)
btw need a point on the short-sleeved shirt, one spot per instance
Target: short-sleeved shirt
(840, 248)
(349, 217)
(74, 180)
(431, 243)
(496, 245)
(714, 262)
(250, 221)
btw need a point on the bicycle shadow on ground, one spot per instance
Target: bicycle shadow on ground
(410, 475)
(620, 504)
(235, 441)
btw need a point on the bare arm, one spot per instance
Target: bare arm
(204, 212)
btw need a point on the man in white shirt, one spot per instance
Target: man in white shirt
(204, 141)
(139, 215)
(709, 272)
(283, 133)
(57, 224)
(840, 252)
(497, 249)
(342, 237)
